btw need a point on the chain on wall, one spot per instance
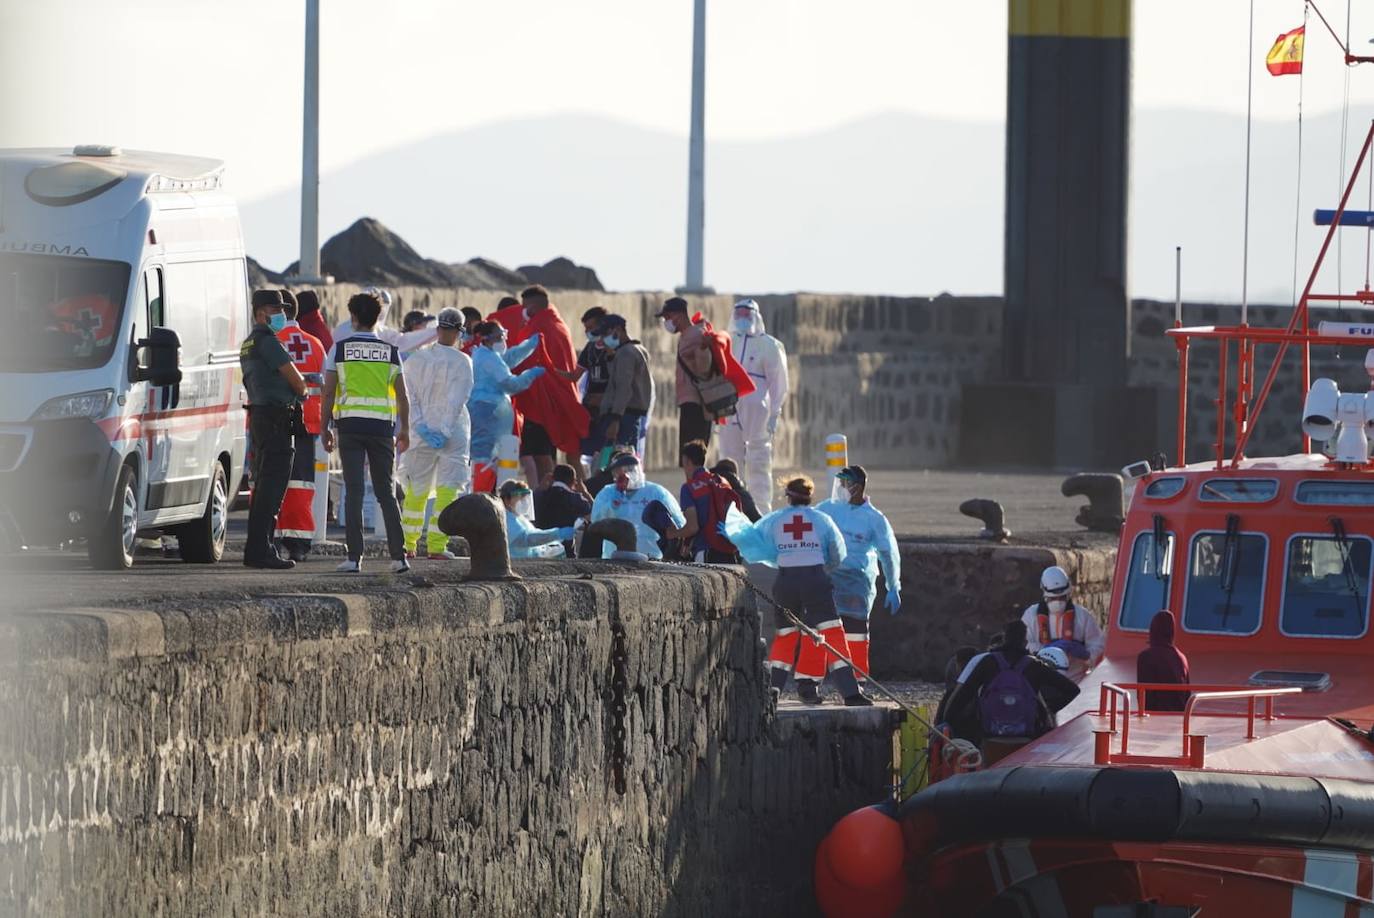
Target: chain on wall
(619, 690)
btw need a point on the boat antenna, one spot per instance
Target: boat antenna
(1297, 204)
(1249, 101)
(1178, 283)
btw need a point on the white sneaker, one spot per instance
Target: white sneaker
(444, 555)
(400, 567)
(350, 566)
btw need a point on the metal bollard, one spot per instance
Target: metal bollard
(620, 533)
(480, 519)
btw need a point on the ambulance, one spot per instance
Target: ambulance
(124, 293)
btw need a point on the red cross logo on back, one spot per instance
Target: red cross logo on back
(298, 347)
(798, 528)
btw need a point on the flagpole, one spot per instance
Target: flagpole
(1249, 102)
(1297, 203)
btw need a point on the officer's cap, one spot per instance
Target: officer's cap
(265, 299)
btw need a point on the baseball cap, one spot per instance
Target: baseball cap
(674, 304)
(266, 298)
(854, 473)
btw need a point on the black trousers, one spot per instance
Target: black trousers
(693, 424)
(273, 453)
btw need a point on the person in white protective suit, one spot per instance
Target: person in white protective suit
(747, 437)
(404, 341)
(490, 407)
(868, 542)
(438, 383)
(1056, 621)
(523, 539)
(654, 512)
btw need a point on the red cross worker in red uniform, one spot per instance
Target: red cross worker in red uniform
(804, 545)
(296, 520)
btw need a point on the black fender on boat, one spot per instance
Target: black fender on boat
(1140, 804)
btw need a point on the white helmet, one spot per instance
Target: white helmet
(755, 317)
(1054, 656)
(1054, 582)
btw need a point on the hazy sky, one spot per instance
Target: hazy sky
(224, 78)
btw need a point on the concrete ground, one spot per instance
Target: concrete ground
(921, 504)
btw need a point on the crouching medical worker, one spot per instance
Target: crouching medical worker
(523, 539)
(806, 547)
(1056, 621)
(868, 542)
(747, 437)
(438, 381)
(630, 497)
(490, 407)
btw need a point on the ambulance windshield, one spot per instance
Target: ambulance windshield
(61, 312)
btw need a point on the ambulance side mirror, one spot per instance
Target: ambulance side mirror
(159, 357)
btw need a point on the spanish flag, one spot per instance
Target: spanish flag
(1286, 55)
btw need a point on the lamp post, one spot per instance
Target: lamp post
(696, 166)
(308, 269)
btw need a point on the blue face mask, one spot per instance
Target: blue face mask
(277, 321)
(611, 341)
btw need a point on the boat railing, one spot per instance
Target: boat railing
(1193, 745)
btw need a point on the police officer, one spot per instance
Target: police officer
(275, 388)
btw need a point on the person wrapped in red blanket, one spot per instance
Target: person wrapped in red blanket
(702, 352)
(553, 412)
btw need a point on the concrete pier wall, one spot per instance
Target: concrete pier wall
(596, 741)
(890, 372)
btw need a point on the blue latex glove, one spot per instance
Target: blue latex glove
(422, 431)
(894, 601)
(536, 372)
(1072, 648)
(436, 439)
(566, 533)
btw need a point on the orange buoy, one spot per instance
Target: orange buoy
(865, 849)
(838, 900)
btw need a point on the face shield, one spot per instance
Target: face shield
(629, 477)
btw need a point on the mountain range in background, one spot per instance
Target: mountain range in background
(897, 203)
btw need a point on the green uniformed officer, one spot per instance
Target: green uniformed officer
(275, 388)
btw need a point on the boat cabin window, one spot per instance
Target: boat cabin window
(1165, 488)
(1342, 493)
(1147, 581)
(1239, 490)
(1326, 587)
(1225, 588)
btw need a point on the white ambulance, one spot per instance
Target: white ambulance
(124, 293)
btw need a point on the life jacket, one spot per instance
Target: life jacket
(721, 497)
(1066, 624)
(1008, 705)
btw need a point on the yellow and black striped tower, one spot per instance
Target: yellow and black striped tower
(1068, 112)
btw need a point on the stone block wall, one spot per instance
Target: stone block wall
(427, 748)
(889, 371)
(1154, 363)
(962, 593)
(885, 371)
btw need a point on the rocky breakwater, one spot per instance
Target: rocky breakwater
(592, 739)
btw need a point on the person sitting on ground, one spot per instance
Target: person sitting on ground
(953, 668)
(640, 502)
(561, 501)
(1008, 693)
(729, 470)
(705, 498)
(1162, 663)
(524, 540)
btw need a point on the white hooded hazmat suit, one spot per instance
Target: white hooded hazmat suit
(438, 383)
(747, 437)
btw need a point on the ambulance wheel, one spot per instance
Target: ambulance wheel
(202, 542)
(111, 546)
